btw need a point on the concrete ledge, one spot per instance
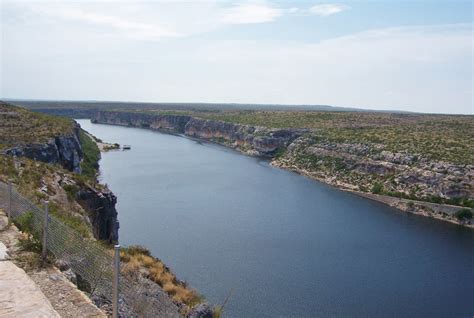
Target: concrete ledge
(19, 295)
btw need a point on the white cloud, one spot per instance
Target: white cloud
(293, 10)
(249, 14)
(122, 25)
(325, 10)
(146, 20)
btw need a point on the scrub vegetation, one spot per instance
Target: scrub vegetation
(440, 137)
(20, 126)
(90, 162)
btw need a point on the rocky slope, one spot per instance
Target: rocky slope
(54, 141)
(362, 166)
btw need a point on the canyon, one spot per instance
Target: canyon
(408, 181)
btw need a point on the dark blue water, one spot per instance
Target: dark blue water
(280, 244)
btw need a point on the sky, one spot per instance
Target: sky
(383, 55)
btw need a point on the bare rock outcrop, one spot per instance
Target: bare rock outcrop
(64, 150)
(100, 204)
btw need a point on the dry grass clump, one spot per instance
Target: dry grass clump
(138, 259)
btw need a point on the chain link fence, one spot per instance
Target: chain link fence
(92, 263)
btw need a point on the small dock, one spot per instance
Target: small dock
(126, 147)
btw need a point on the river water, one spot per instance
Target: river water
(280, 244)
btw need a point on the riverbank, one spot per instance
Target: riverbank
(442, 212)
(102, 145)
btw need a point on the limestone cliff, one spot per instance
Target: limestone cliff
(100, 205)
(253, 140)
(360, 166)
(172, 123)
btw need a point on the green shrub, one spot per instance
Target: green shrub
(468, 203)
(90, 163)
(72, 220)
(339, 164)
(25, 223)
(435, 199)
(71, 191)
(377, 188)
(463, 214)
(280, 152)
(41, 195)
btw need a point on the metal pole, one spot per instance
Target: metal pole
(10, 203)
(115, 283)
(45, 231)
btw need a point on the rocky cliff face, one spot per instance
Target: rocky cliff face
(100, 204)
(172, 123)
(257, 141)
(64, 150)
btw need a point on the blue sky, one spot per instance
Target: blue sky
(405, 55)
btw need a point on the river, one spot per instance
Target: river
(280, 244)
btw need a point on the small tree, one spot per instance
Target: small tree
(377, 188)
(31, 241)
(463, 214)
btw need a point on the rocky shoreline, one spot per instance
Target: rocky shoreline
(442, 212)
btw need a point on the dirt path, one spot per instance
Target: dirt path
(34, 290)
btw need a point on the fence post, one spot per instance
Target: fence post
(45, 231)
(115, 283)
(10, 202)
